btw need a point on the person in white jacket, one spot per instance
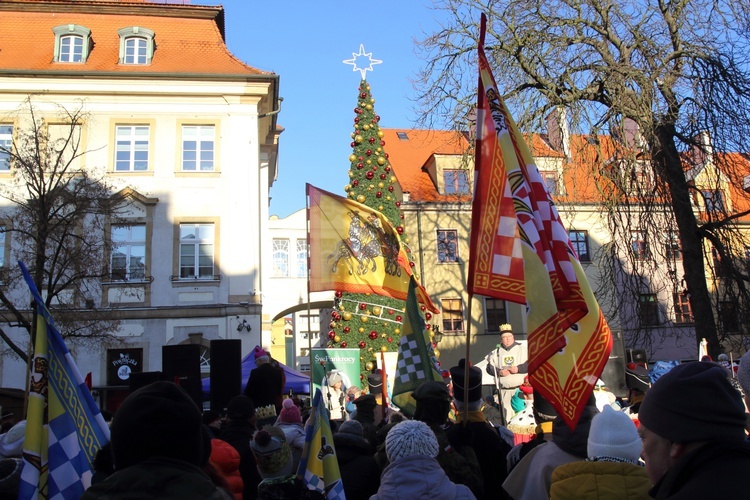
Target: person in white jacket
(508, 364)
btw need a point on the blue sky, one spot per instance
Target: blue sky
(305, 43)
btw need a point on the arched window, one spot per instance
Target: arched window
(136, 45)
(72, 43)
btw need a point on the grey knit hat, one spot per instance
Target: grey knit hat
(743, 373)
(408, 438)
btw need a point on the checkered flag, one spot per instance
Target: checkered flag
(416, 359)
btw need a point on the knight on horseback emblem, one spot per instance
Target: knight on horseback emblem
(367, 241)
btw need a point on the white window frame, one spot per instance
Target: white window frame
(200, 239)
(280, 254)
(127, 238)
(136, 45)
(6, 141)
(71, 49)
(301, 258)
(71, 32)
(456, 181)
(204, 150)
(130, 139)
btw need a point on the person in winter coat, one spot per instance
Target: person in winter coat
(693, 434)
(612, 470)
(226, 461)
(359, 472)
(290, 422)
(158, 448)
(238, 432)
(265, 386)
(531, 478)
(413, 471)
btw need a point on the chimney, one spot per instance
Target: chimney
(558, 130)
(632, 134)
(702, 151)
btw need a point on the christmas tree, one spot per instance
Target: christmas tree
(370, 322)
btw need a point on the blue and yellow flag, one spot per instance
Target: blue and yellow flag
(64, 427)
(319, 466)
(416, 359)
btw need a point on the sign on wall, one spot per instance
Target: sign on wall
(121, 363)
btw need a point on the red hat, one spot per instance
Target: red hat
(526, 387)
(290, 413)
(258, 352)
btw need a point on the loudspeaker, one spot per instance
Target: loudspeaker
(182, 364)
(613, 374)
(141, 379)
(226, 372)
(638, 356)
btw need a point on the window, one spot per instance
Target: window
(580, 242)
(714, 200)
(197, 251)
(673, 249)
(136, 45)
(446, 245)
(550, 181)
(495, 314)
(682, 312)
(72, 43)
(302, 258)
(402, 136)
(71, 48)
(453, 315)
(6, 143)
(198, 148)
(132, 142)
(639, 245)
(648, 309)
(280, 258)
(728, 316)
(455, 181)
(128, 262)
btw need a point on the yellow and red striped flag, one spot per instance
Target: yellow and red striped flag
(356, 249)
(521, 252)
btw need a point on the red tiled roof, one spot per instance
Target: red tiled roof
(188, 38)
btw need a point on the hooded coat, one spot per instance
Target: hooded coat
(359, 471)
(418, 476)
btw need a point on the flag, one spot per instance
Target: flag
(703, 349)
(521, 252)
(319, 467)
(356, 249)
(416, 359)
(64, 427)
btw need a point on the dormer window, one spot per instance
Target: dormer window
(72, 43)
(136, 45)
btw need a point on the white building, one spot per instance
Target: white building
(185, 130)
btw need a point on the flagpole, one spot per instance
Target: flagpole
(467, 363)
(383, 389)
(309, 328)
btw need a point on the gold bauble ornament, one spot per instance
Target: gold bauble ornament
(381, 160)
(383, 335)
(381, 185)
(347, 316)
(352, 194)
(361, 330)
(397, 330)
(365, 319)
(388, 198)
(369, 107)
(361, 358)
(381, 133)
(358, 139)
(432, 334)
(336, 339)
(406, 240)
(361, 198)
(372, 100)
(333, 324)
(393, 178)
(352, 157)
(383, 349)
(437, 353)
(347, 187)
(369, 365)
(368, 161)
(366, 127)
(376, 310)
(381, 207)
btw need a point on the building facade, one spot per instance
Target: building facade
(186, 136)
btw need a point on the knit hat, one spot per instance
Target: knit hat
(432, 390)
(743, 373)
(408, 438)
(271, 452)
(351, 427)
(290, 413)
(240, 408)
(694, 402)
(258, 352)
(459, 386)
(11, 443)
(613, 434)
(158, 420)
(334, 378)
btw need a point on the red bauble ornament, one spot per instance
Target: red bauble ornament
(389, 339)
(398, 318)
(377, 117)
(387, 168)
(382, 143)
(347, 329)
(331, 334)
(355, 182)
(428, 327)
(361, 158)
(360, 166)
(400, 230)
(383, 176)
(373, 335)
(371, 140)
(352, 144)
(356, 119)
(361, 344)
(363, 95)
(427, 316)
(370, 174)
(422, 307)
(411, 264)
(362, 306)
(368, 152)
(357, 110)
(390, 188)
(398, 203)
(390, 311)
(434, 345)
(339, 293)
(386, 156)
(402, 218)
(344, 344)
(379, 194)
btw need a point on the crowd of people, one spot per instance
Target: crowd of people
(682, 437)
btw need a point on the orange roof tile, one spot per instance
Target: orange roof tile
(188, 38)
(408, 157)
